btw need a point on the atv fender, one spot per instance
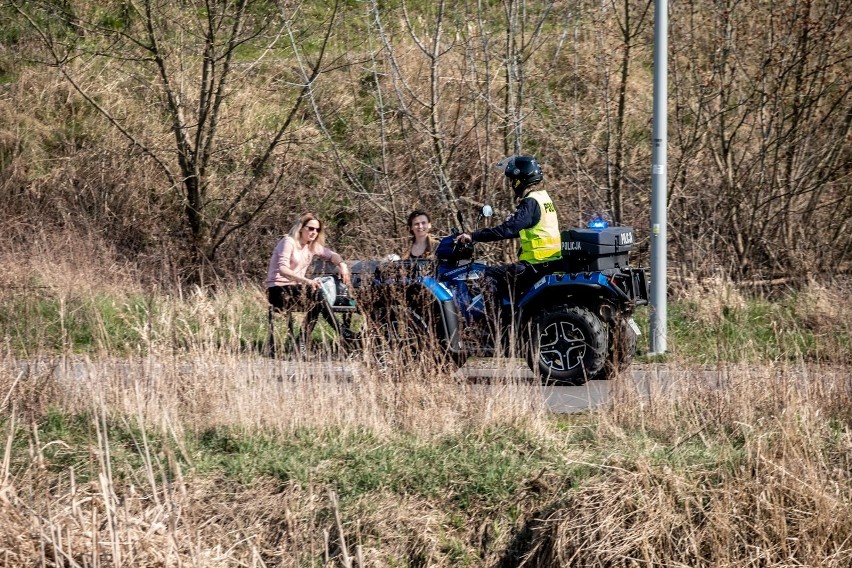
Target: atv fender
(564, 285)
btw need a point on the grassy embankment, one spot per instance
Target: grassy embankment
(147, 432)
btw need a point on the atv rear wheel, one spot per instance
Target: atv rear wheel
(567, 345)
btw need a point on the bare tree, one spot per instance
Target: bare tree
(434, 52)
(523, 38)
(188, 57)
(409, 104)
(766, 95)
(630, 25)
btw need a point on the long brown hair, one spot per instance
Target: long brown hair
(303, 220)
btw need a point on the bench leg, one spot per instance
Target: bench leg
(271, 329)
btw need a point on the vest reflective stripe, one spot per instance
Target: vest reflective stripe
(542, 242)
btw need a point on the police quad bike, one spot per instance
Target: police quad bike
(574, 323)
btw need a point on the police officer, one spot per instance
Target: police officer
(534, 222)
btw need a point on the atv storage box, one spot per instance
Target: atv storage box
(591, 250)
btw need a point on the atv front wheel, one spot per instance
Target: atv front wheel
(398, 336)
(567, 345)
(406, 335)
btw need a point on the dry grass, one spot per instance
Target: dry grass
(63, 262)
(819, 307)
(749, 468)
(730, 467)
(141, 520)
(711, 297)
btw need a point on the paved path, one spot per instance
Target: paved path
(568, 399)
(480, 373)
(510, 376)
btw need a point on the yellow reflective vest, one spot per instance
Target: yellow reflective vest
(542, 242)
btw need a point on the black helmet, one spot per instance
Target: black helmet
(522, 171)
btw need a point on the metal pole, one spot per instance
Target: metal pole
(659, 160)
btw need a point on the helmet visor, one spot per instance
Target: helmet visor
(503, 165)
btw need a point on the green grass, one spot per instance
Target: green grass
(46, 322)
(471, 471)
(495, 474)
(760, 331)
(71, 441)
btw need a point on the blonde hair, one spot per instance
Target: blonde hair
(303, 220)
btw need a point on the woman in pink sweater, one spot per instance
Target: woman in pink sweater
(288, 287)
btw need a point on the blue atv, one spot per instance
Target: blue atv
(572, 324)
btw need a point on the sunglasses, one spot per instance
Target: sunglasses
(311, 229)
